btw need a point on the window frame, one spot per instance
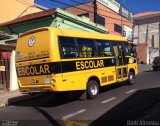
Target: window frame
(95, 53)
(101, 20)
(116, 28)
(95, 47)
(61, 50)
(104, 41)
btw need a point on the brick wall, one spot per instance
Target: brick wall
(110, 16)
(82, 9)
(142, 53)
(146, 35)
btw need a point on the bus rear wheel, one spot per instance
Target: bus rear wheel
(131, 78)
(92, 89)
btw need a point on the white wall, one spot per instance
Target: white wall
(151, 53)
(13, 74)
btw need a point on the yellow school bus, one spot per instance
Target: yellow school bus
(57, 60)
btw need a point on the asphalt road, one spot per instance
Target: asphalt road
(118, 104)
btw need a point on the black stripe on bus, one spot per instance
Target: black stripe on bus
(63, 67)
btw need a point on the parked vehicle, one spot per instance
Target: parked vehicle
(156, 63)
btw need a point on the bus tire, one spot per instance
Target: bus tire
(92, 89)
(131, 78)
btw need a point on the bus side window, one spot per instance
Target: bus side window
(86, 47)
(104, 48)
(127, 49)
(68, 47)
(107, 49)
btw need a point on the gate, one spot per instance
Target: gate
(4, 70)
(4, 74)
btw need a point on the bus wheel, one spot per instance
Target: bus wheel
(131, 78)
(92, 89)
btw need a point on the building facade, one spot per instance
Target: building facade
(147, 36)
(49, 18)
(116, 18)
(13, 9)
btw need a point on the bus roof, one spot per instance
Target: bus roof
(76, 33)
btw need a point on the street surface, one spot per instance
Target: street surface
(118, 104)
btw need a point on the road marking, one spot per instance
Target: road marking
(74, 123)
(133, 90)
(73, 114)
(108, 100)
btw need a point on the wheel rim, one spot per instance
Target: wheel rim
(93, 89)
(131, 78)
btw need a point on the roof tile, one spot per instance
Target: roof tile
(31, 17)
(145, 14)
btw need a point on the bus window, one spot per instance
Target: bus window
(127, 49)
(68, 47)
(86, 47)
(130, 50)
(104, 48)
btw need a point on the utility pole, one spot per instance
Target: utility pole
(95, 11)
(149, 51)
(159, 35)
(147, 35)
(138, 36)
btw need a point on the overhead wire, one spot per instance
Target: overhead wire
(87, 10)
(92, 7)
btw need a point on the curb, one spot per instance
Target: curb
(19, 99)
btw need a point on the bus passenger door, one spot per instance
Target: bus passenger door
(121, 67)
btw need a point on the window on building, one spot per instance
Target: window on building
(68, 47)
(153, 41)
(86, 15)
(100, 20)
(117, 28)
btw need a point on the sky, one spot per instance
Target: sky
(135, 6)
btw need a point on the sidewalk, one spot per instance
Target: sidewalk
(7, 97)
(145, 67)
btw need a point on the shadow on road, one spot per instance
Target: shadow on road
(158, 71)
(112, 86)
(56, 99)
(142, 105)
(46, 100)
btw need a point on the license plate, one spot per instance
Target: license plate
(35, 90)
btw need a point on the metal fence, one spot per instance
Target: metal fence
(4, 74)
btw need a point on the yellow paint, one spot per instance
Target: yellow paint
(74, 123)
(81, 65)
(13, 9)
